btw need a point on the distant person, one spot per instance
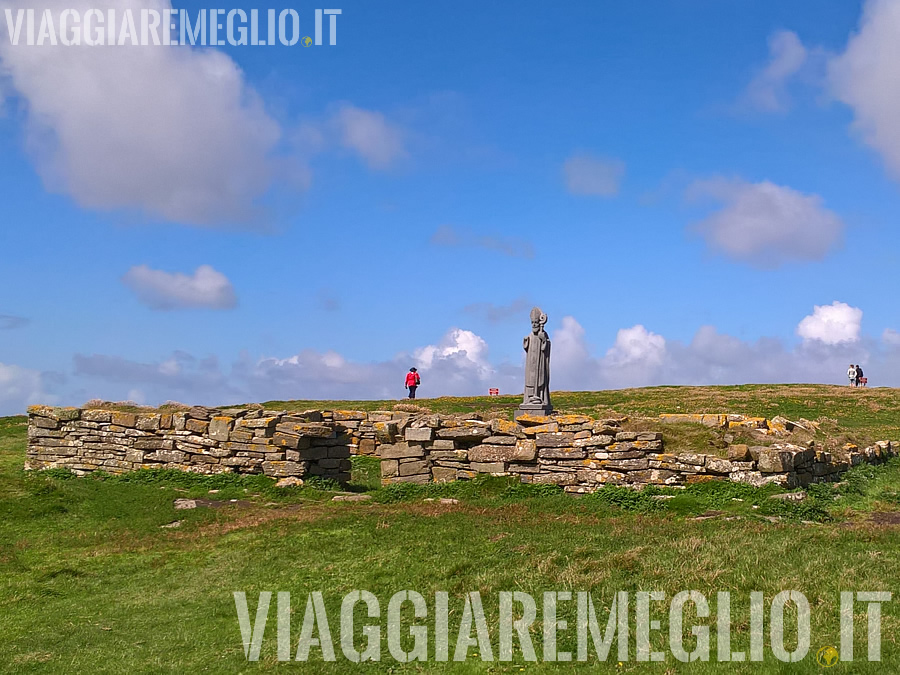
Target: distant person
(859, 375)
(412, 382)
(851, 374)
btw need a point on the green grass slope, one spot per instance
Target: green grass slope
(91, 581)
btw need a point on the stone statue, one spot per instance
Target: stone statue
(537, 367)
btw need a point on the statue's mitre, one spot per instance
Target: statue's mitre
(536, 314)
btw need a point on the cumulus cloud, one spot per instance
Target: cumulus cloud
(864, 77)
(206, 287)
(637, 345)
(765, 224)
(768, 90)
(175, 133)
(832, 324)
(9, 322)
(459, 364)
(462, 349)
(448, 235)
(367, 133)
(594, 176)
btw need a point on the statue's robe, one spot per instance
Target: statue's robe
(537, 369)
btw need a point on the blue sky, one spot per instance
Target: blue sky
(695, 192)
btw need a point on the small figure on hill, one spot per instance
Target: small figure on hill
(860, 379)
(412, 382)
(851, 374)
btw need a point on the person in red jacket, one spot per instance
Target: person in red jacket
(412, 381)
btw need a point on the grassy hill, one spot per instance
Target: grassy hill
(92, 580)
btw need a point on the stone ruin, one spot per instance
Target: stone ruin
(576, 452)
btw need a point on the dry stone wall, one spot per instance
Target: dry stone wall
(200, 440)
(582, 454)
(576, 452)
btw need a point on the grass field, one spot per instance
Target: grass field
(91, 581)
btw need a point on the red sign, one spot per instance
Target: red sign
(494, 392)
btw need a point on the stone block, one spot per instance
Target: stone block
(562, 453)
(367, 446)
(282, 469)
(165, 456)
(96, 415)
(284, 440)
(529, 420)
(348, 416)
(220, 427)
(691, 458)
(776, 461)
(413, 467)
(524, 451)
(654, 477)
(147, 423)
(487, 467)
(556, 478)
(717, 465)
(154, 444)
(523, 468)
(505, 427)
(124, 419)
(390, 468)
(551, 428)
(401, 450)
(196, 426)
(386, 432)
(421, 434)
(739, 452)
(554, 440)
(464, 433)
(597, 441)
(625, 464)
(443, 444)
(590, 476)
(449, 455)
(500, 440)
(443, 474)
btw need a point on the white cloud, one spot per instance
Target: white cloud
(764, 224)
(767, 90)
(367, 133)
(865, 78)
(463, 348)
(637, 345)
(20, 388)
(164, 290)
(832, 324)
(172, 132)
(596, 176)
(891, 337)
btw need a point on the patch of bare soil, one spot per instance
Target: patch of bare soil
(886, 518)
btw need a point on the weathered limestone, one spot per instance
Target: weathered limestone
(573, 451)
(200, 440)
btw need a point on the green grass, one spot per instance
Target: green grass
(91, 582)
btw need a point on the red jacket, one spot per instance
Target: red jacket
(412, 379)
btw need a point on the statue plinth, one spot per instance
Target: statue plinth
(533, 409)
